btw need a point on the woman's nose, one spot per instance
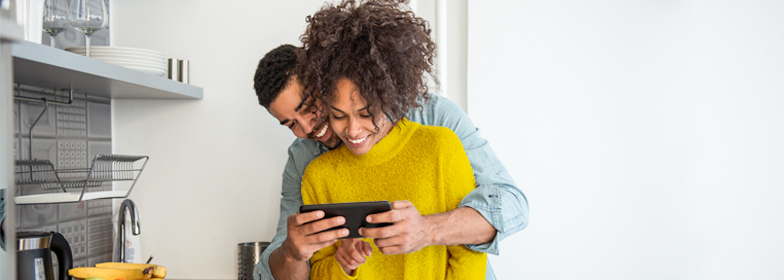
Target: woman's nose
(354, 128)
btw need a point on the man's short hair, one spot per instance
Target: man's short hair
(274, 72)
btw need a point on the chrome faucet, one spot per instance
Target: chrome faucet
(119, 249)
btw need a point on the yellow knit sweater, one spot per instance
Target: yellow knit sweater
(425, 165)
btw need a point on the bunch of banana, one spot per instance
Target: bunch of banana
(114, 270)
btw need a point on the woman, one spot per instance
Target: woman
(368, 61)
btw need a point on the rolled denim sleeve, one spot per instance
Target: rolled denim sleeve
(496, 196)
(301, 153)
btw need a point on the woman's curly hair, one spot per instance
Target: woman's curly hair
(378, 45)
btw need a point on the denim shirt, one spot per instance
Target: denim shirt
(496, 197)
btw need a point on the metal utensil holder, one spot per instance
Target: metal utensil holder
(104, 168)
(249, 256)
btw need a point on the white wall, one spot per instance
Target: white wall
(213, 179)
(647, 134)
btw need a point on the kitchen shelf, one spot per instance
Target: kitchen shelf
(47, 67)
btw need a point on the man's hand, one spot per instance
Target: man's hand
(408, 233)
(305, 236)
(351, 253)
(290, 261)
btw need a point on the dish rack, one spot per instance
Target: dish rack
(72, 185)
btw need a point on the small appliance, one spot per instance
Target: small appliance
(34, 256)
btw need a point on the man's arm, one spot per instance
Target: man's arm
(283, 266)
(496, 201)
(290, 261)
(463, 225)
(281, 255)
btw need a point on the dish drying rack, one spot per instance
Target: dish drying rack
(72, 185)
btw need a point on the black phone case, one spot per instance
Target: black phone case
(354, 212)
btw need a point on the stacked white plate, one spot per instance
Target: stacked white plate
(147, 61)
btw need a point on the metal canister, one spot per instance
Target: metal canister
(174, 72)
(183, 75)
(249, 256)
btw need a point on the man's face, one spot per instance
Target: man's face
(304, 121)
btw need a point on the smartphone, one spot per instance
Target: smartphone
(354, 212)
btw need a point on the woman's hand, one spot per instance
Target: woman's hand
(351, 253)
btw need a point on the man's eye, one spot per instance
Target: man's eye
(291, 126)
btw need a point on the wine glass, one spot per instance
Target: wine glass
(88, 16)
(55, 18)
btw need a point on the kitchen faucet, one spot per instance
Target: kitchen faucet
(119, 249)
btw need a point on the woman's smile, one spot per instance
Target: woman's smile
(357, 142)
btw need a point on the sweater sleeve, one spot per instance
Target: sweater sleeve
(309, 185)
(455, 169)
(458, 182)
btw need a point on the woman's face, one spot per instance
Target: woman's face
(351, 121)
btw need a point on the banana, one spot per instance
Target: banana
(111, 273)
(159, 271)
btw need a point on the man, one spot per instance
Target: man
(495, 210)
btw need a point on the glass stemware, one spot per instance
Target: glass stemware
(88, 16)
(55, 18)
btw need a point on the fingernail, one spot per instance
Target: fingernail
(319, 214)
(369, 219)
(341, 220)
(344, 232)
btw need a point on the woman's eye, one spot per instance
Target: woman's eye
(365, 116)
(338, 117)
